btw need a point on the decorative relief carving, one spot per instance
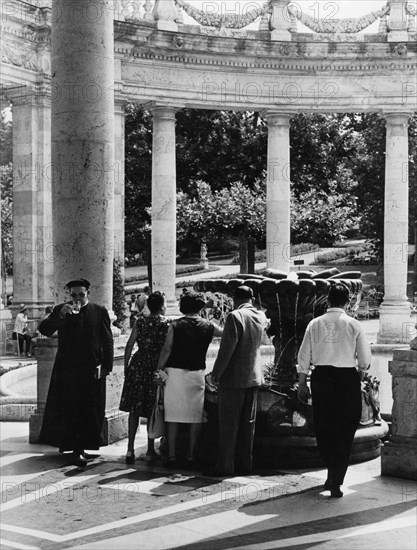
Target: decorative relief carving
(178, 42)
(401, 50)
(20, 56)
(349, 25)
(288, 49)
(229, 20)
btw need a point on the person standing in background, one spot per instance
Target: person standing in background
(139, 388)
(141, 302)
(237, 372)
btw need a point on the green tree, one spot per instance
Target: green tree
(118, 291)
(323, 217)
(6, 194)
(237, 211)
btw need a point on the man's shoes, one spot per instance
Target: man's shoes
(327, 485)
(335, 492)
(151, 457)
(171, 462)
(78, 460)
(87, 456)
(130, 457)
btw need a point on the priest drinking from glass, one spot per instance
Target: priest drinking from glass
(75, 406)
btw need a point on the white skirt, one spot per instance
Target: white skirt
(184, 395)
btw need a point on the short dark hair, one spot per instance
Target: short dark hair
(338, 295)
(155, 301)
(192, 302)
(243, 293)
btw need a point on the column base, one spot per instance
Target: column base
(173, 310)
(35, 425)
(115, 426)
(396, 325)
(398, 458)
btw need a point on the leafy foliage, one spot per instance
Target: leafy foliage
(6, 193)
(325, 217)
(339, 156)
(118, 291)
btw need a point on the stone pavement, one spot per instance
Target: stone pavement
(49, 504)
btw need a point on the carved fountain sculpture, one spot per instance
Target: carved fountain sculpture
(285, 429)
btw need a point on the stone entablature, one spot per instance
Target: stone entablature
(300, 75)
(229, 73)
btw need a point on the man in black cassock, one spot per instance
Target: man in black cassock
(75, 406)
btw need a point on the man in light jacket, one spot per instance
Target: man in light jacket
(238, 374)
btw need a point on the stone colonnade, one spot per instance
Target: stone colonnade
(88, 161)
(33, 223)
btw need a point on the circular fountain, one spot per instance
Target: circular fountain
(284, 426)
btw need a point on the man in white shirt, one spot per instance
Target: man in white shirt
(336, 346)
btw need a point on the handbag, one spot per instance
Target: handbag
(156, 426)
(14, 335)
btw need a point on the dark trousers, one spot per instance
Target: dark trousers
(337, 408)
(24, 338)
(237, 416)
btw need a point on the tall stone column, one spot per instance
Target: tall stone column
(32, 208)
(278, 200)
(394, 322)
(83, 144)
(164, 203)
(119, 180)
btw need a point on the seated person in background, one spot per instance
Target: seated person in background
(20, 328)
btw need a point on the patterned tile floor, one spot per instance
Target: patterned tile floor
(49, 504)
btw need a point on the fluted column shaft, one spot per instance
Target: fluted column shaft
(164, 203)
(119, 181)
(278, 199)
(83, 144)
(32, 209)
(395, 310)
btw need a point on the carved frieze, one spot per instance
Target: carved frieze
(227, 20)
(348, 25)
(20, 55)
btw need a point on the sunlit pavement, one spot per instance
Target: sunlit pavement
(47, 503)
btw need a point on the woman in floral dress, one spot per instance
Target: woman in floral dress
(139, 389)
